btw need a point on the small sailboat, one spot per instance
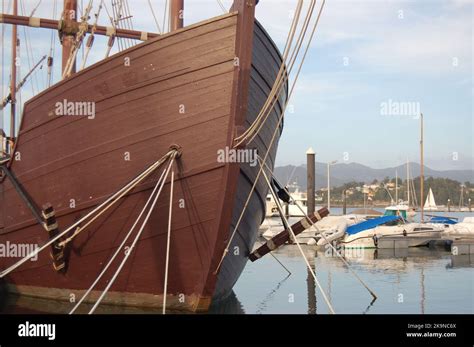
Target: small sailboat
(430, 204)
(402, 208)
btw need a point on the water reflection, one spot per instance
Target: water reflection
(461, 261)
(28, 305)
(230, 305)
(265, 302)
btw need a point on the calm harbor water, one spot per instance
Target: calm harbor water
(415, 280)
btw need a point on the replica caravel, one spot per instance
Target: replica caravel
(195, 88)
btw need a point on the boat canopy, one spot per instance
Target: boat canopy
(443, 220)
(395, 211)
(371, 223)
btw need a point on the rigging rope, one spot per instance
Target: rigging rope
(279, 78)
(83, 27)
(52, 49)
(154, 17)
(282, 77)
(120, 248)
(165, 16)
(111, 40)
(221, 5)
(288, 227)
(115, 16)
(111, 201)
(128, 20)
(170, 213)
(137, 236)
(2, 114)
(29, 53)
(35, 8)
(90, 40)
(349, 267)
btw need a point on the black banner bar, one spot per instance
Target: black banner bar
(274, 329)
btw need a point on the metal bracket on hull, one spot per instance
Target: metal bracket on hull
(57, 250)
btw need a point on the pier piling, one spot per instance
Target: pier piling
(344, 202)
(310, 160)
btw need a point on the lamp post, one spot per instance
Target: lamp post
(329, 183)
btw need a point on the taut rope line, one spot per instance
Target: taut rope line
(121, 247)
(168, 242)
(349, 267)
(123, 191)
(288, 227)
(226, 250)
(137, 236)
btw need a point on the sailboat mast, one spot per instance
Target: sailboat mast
(176, 14)
(408, 182)
(13, 77)
(396, 187)
(67, 35)
(422, 175)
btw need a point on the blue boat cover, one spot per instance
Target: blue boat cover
(370, 224)
(443, 220)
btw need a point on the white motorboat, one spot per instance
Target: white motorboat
(334, 234)
(464, 228)
(419, 234)
(333, 227)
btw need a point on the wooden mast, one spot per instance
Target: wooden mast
(13, 77)
(67, 35)
(176, 14)
(422, 176)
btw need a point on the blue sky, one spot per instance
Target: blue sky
(365, 53)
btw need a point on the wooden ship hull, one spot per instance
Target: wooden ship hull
(179, 88)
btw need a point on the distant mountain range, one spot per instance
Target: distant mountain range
(344, 173)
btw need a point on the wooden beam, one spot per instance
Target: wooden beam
(243, 50)
(176, 14)
(285, 236)
(55, 24)
(13, 77)
(68, 37)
